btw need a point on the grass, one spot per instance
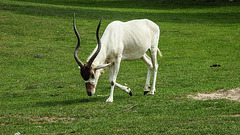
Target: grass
(46, 95)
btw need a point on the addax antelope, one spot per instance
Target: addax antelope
(120, 41)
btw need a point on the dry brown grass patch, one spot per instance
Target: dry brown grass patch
(233, 94)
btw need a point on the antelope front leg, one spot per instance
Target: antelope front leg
(125, 88)
(113, 72)
(110, 99)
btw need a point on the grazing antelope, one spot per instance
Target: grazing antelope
(120, 41)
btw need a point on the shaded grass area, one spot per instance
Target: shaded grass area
(46, 95)
(141, 4)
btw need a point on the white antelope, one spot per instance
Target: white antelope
(120, 41)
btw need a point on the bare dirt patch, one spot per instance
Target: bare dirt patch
(52, 119)
(37, 119)
(234, 115)
(233, 94)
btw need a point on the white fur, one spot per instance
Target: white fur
(128, 41)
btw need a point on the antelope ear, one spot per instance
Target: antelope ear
(102, 66)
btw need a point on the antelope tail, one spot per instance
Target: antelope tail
(159, 53)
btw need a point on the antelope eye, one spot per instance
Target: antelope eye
(92, 76)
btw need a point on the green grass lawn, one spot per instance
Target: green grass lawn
(46, 94)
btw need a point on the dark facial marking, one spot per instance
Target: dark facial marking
(86, 72)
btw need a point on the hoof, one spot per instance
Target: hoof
(109, 100)
(152, 93)
(130, 93)
(145, 92)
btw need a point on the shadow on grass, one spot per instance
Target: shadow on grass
(90, 100)
(69, 102)
(119, 14)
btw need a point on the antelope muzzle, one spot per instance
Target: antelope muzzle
(90, 89)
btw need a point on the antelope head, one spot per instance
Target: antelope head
(89, 72)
